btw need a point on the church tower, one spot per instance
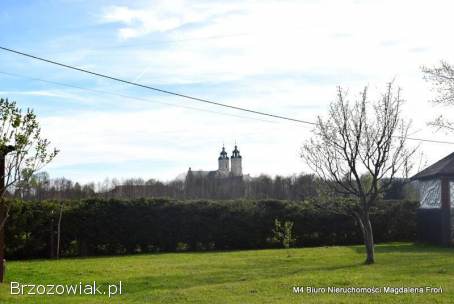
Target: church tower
(223, 161)
(237, 169)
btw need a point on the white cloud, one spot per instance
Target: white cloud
(170, 135)
(282, 37)
(288, 60)
(160, 16)
(59, 94)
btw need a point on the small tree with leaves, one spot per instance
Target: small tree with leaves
(23, 151)
(283, 234)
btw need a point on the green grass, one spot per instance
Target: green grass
(261, 276)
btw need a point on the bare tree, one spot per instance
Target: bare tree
(22, 149)
(442, 78)
(358, 150)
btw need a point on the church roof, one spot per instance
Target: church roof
(444, 167)
(236, 153)
(201, 173)
(223, 154)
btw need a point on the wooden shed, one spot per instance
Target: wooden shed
(436, 195)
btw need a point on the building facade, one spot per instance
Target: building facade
(225, 182)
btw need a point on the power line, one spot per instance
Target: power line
(129, 97)
(428, 140)
(183, 95)
(157, 89)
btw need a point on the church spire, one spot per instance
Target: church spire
(237, 169)
(236, 152)
(223, 154)
(223, 161)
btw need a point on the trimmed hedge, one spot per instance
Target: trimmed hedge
(104, 227)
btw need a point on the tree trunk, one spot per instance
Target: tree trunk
(369, 241)
(59, 230)
(52, 239)
(368, 236)
(2, 241)
(3, 217)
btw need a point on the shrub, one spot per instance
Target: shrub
(105, 227)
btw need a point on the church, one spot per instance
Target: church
(225, 182)
(224, 165)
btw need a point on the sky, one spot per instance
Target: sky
(282, 57)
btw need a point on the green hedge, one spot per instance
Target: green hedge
(102, 227)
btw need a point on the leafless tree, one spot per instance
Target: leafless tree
(442, 78)
(358, 150)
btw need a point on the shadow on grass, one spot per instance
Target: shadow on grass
(405, 247)
(196, 270)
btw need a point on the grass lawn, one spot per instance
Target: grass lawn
(261, 276)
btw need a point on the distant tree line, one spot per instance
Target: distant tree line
(297, 187)
(105, 227)
(40, 187)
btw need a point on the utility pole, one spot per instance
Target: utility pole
(3, 213)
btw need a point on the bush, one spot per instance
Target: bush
(105, 227)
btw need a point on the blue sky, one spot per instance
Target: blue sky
(284, 57)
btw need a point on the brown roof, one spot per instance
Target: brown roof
(443, 167)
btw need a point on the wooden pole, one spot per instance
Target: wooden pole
(445, 210)
(52, 246)
(3, 151)
(2, 244)
(2, 217)
(59, 230)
